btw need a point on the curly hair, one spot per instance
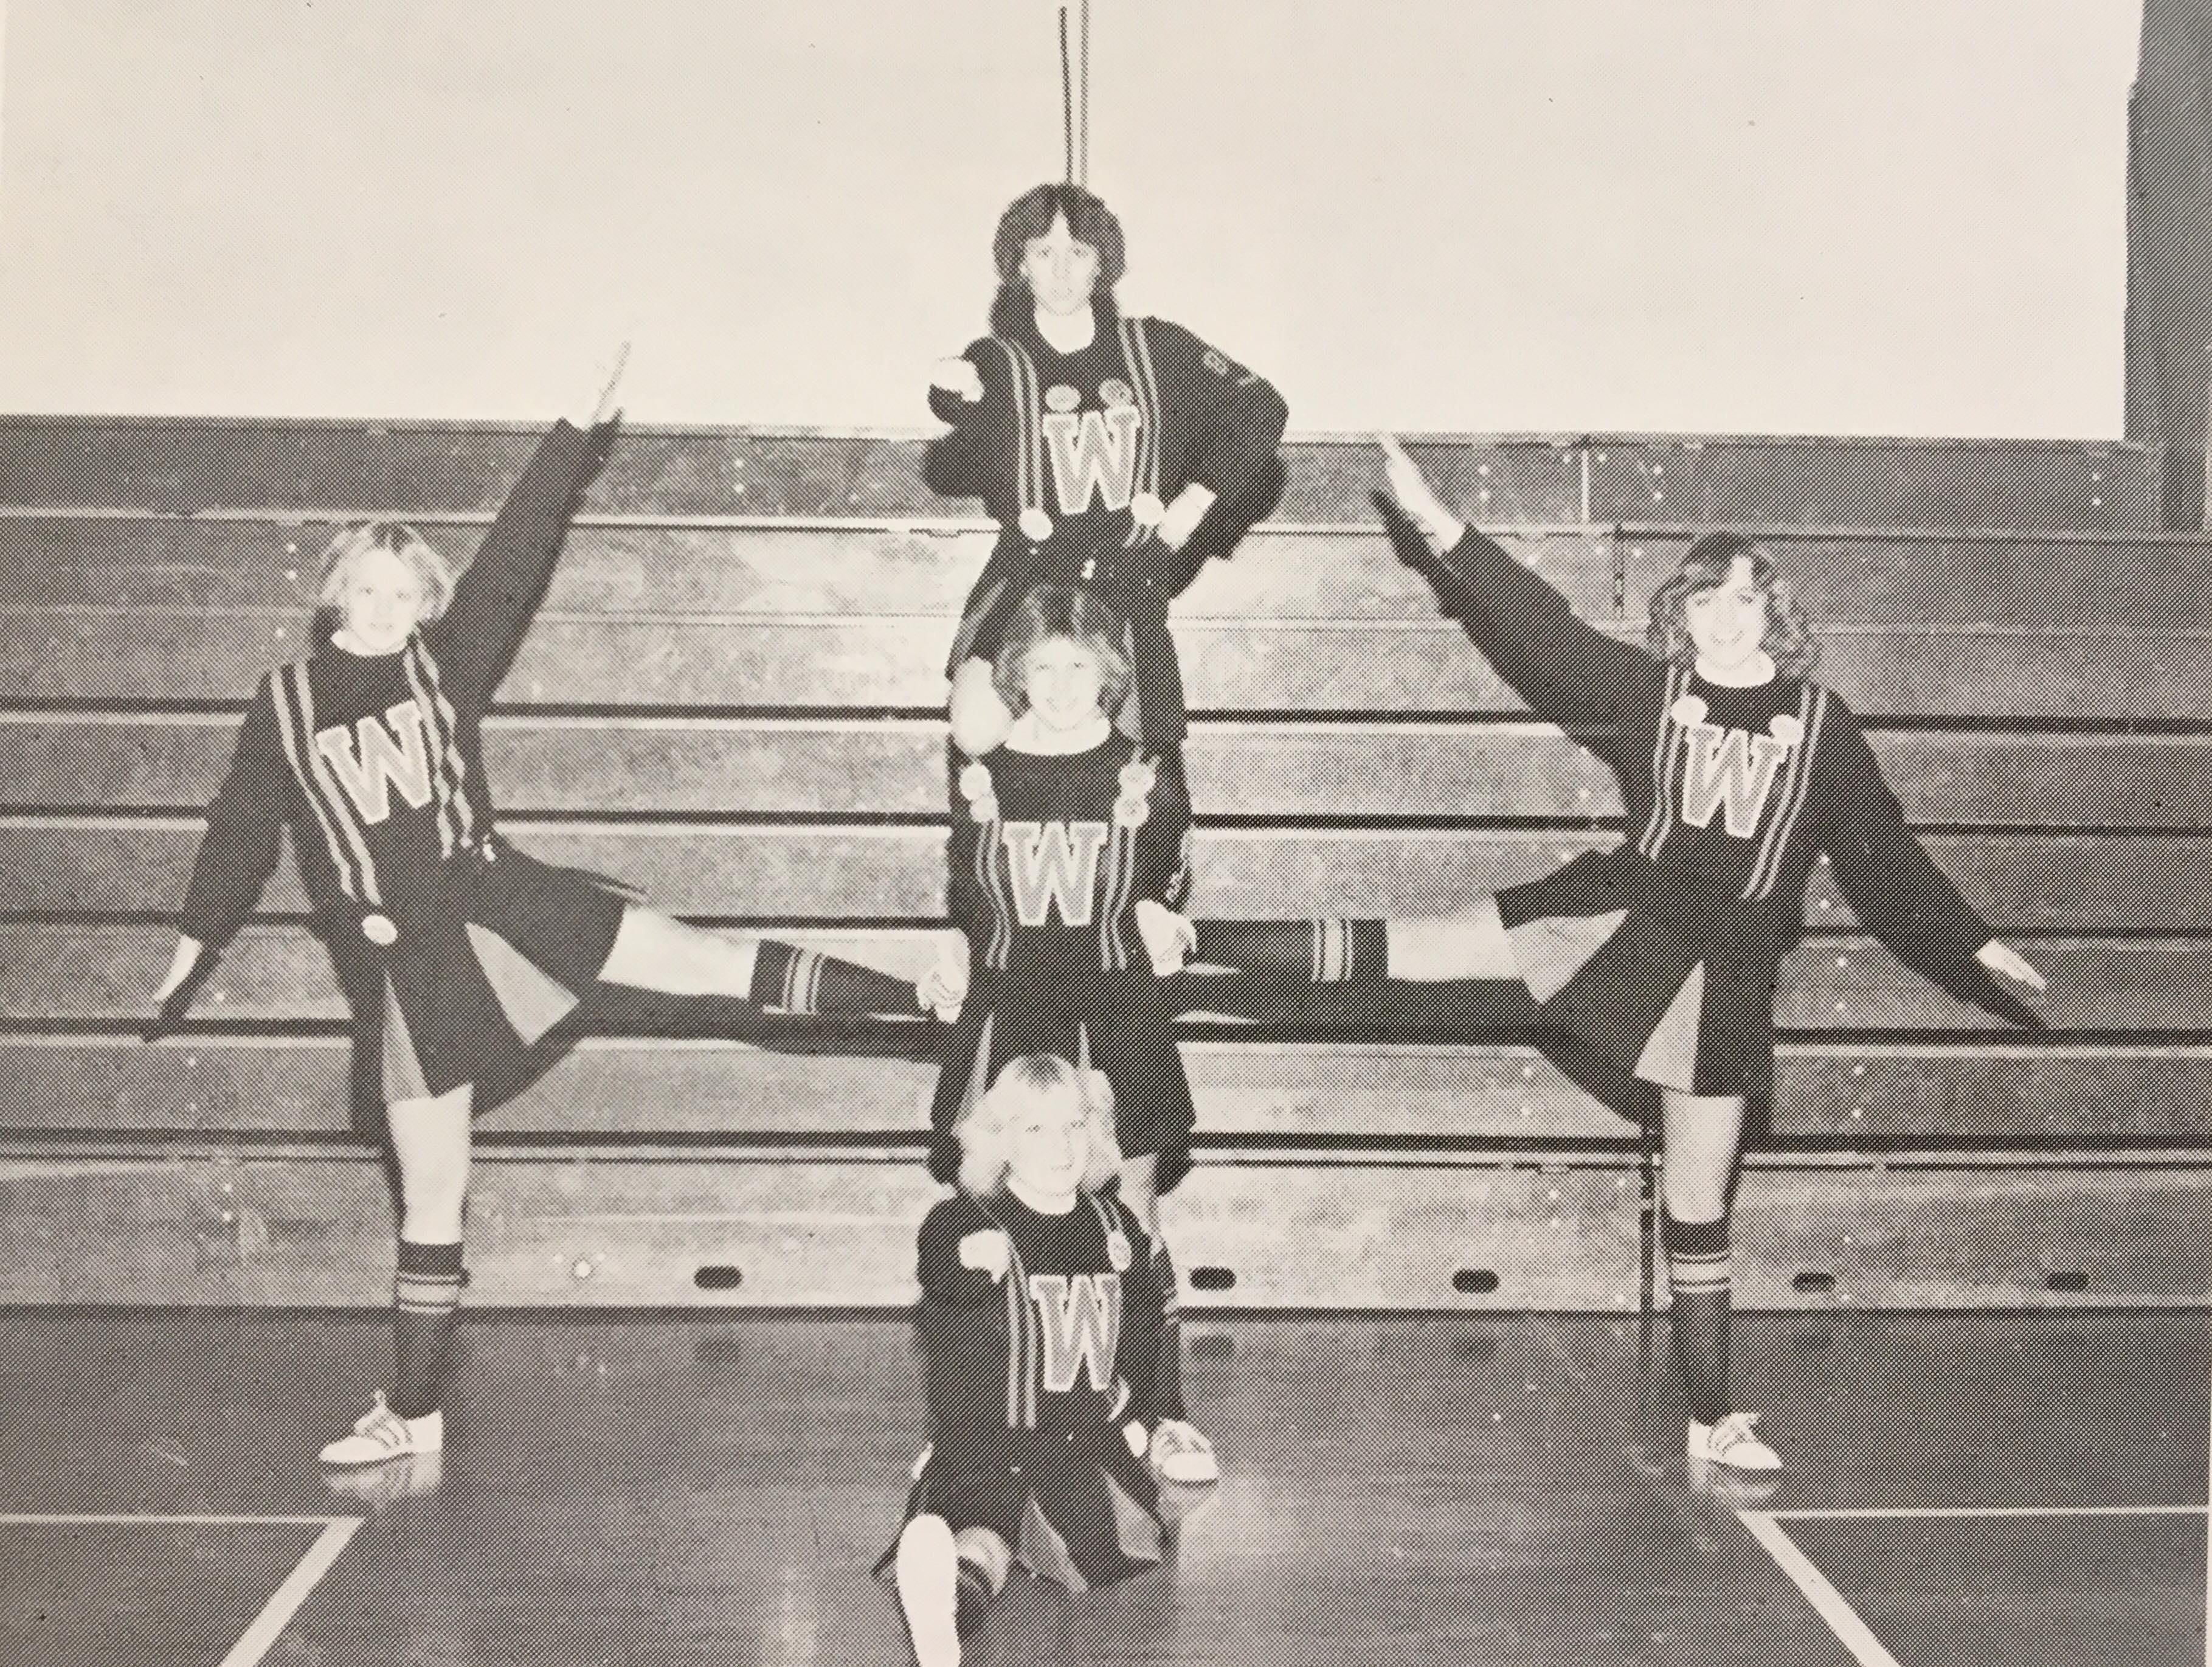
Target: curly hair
(355, 543)
(985, 1129)
(1706, 565)
(1030, 215)
(1050, 611)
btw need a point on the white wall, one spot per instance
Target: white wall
(1870, 217)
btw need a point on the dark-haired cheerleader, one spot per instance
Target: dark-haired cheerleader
(1660, 955)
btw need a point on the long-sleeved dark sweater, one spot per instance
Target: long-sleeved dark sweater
(377, 761)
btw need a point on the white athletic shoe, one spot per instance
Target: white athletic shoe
(1180, 1454)
(1730, 1442)
(928, 1569)
(383, 1434)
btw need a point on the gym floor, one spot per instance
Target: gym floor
(677, 1488)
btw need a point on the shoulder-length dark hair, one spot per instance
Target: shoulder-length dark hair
(1030, 215)
(1706, 565)
(1062, 611)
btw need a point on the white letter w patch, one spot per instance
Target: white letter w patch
(394, 757)
(1053, 862)
(1728, 768)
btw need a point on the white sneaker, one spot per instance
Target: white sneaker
(1180, 1454)
(1730, 1442)
(383, 1434)
(928, 1569)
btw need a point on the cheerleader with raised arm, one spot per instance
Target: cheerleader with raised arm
(1115, 452)
(1660, 955)
(371, 750)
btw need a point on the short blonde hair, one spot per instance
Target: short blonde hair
(984, 1129)
(346, 550)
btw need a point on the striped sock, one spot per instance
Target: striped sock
(1697, 1323)
(426, 1296)
(801, 981)
(1318, 952)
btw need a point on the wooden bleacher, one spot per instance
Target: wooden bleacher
(731, 699)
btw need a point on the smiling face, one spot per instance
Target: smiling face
(1060, 270)
(1063, 680)
(382, 600)
(1048, 1144)
(1728, 624)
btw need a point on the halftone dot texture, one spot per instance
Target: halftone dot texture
(728, 699)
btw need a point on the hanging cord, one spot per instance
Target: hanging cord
(1083, 62)
(1067, 99)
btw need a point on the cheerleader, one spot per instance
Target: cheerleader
(1660, 956)
(1117, 453)
(1039, 1323)
(1066, 840)
(371, 750)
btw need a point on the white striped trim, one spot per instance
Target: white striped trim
(1796, 786)
(316, 777)
(1660, 822)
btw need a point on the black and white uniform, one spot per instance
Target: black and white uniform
(1038, 1335)
(1661, 954)
(1075, 456)
(1050, 856)
(376, 762)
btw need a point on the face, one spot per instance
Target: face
(382, 601)
(1060, 272)
(1064, 681)
(1728, 624)
(1049, 1143)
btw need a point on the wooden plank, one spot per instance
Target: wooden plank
(92, 655)
(312, 1227)
(2023, 883)
(1985, 1094)
(1349, 573)
(548, 764)
(1839, 482)
(1869, 579)
(758, 570)
(189, 465)
(280, 974)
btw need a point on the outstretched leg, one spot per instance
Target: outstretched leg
(945, 1581)
(1433, 949)
(656, 952)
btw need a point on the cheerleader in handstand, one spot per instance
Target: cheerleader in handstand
(370, 749)
(1066, 840)
(1040, 1319)
(1660, 955)
(1115, 452)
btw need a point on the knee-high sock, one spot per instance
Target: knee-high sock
(800, 981)
(1320, 951)
(1698, 1324)
(426, 1294)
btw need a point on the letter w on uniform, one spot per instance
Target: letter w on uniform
(1080, 1316)
(1731, 769)
(392, 754)
(1096, 450)
(1053, 862)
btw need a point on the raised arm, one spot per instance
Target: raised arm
(475, 640)
(1567, 670)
